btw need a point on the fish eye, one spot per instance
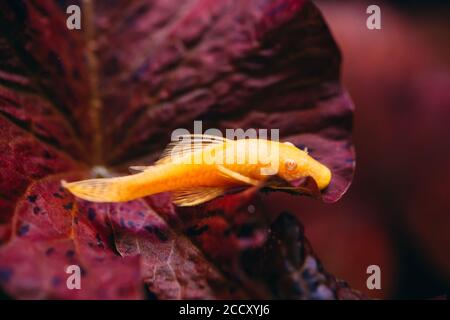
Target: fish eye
(290, 164)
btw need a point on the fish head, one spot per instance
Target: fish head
(296, 164)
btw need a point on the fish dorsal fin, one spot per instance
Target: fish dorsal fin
(188, 144)
(192, 197)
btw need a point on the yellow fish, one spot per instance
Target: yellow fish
(199, 168)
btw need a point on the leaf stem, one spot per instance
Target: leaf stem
(95, 101)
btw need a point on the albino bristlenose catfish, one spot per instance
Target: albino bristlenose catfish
(200, 168)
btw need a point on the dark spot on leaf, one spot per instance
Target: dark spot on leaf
(196, 231)
(141, 214)
(23, 230)
(68, 206)
(70, 254)
(58, 195)
(91, 214)
(32, 198)
(157, 232)
(36, 210)
(149, 295)
(5, 274)
(49, 251)
(56, 281)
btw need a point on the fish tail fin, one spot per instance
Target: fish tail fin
(99, 190)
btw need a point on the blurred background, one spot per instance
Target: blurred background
(397, 211)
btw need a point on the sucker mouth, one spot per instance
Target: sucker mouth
(306, 184)
(300, 181)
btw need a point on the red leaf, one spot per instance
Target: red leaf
(111, 94)
(50, 233)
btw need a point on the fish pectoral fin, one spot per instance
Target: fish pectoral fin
(192, 197)
(237, 176)
(137, 169)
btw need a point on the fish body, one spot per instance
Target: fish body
(204, 167)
